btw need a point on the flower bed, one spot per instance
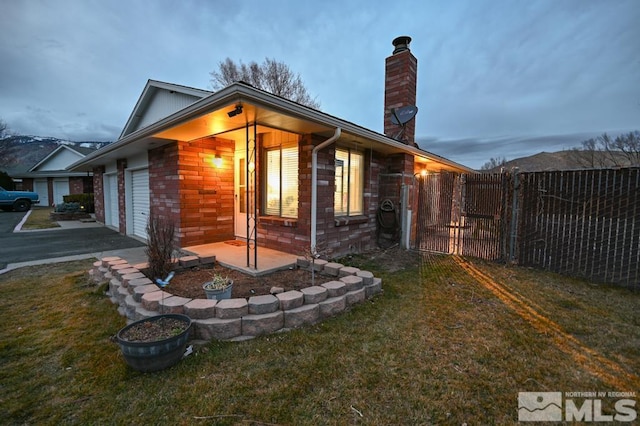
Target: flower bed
(238, 318)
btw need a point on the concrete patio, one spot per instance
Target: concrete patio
(228, 255)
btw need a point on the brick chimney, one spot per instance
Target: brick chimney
(401, 78)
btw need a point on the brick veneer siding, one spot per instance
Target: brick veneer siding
(401, 79)
(26, 185)
(401, 167)
(335, 235)
(121, 165)
(206, 192)
(164, 195)
(186, 188)
(98, 196)
(76, 185)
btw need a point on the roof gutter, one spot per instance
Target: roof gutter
(314, 187)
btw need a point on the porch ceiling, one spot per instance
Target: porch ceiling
(218, 122)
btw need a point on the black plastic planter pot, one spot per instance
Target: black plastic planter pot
(157, 355)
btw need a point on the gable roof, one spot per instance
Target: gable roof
(141, 114)
(56, 153)
(209, 116)
(57, 161)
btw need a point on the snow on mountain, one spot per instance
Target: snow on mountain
(19, 153)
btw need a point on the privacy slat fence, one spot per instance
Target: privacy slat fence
(582, 223)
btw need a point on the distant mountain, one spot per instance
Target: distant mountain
(19, 153)
(563, 160)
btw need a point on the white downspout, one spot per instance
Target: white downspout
(314, 186)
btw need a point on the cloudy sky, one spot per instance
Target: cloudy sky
(496, 78)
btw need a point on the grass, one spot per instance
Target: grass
(449, 341)
(39, 219)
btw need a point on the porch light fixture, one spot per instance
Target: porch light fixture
(217, 161)
(237, 110)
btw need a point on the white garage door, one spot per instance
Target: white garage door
(40, 186)
(111, 209)
(60, 189)
(140, 202)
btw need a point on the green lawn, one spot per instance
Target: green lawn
(448, 342)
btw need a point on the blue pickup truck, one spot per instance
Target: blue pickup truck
(19, 201)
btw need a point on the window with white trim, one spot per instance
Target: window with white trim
(348, 200)
(281, 180)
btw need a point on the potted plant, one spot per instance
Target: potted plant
(218, 288)
(155, 343)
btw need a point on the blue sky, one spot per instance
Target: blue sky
(495, 78)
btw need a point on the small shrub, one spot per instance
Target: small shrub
(85, 200)
(160, 246)
(68, 208)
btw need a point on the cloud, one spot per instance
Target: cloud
(474, 152)
(75, 68)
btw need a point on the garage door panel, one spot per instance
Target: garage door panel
(114, 218)
(140, 202)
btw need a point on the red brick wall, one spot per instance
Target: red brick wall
(26, 185)
(206, 192)
(334, 237)
(401, 78)
(186, 188)
(164, 189)
(121, 165)
(50, 191)
(76, 185)
(338, 236)
(98, 199)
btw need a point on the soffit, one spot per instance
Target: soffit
(218, 122)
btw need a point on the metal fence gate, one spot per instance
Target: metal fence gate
(464, 214)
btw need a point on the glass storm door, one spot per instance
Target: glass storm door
(241, 194)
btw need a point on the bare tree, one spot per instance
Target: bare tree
(4, 129)
(271, 76)
(603, 151)
(494, 163)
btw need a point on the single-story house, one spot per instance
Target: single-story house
(51, 179)
(244, 164)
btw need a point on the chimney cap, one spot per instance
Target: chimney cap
(401, 44)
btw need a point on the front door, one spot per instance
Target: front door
(241, 194)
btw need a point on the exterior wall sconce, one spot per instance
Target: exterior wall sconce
(236, 111)
(216, 161)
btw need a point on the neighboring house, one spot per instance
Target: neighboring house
(51, 179)
(244, 164)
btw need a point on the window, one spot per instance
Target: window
(349, 183)
(282, 181)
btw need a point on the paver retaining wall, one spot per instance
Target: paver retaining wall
(239, 318)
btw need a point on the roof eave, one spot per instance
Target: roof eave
(241, 92)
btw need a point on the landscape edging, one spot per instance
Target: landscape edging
(235, 321)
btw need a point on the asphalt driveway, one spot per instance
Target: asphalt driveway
(18, 247)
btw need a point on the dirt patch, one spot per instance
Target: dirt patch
(188, 283)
